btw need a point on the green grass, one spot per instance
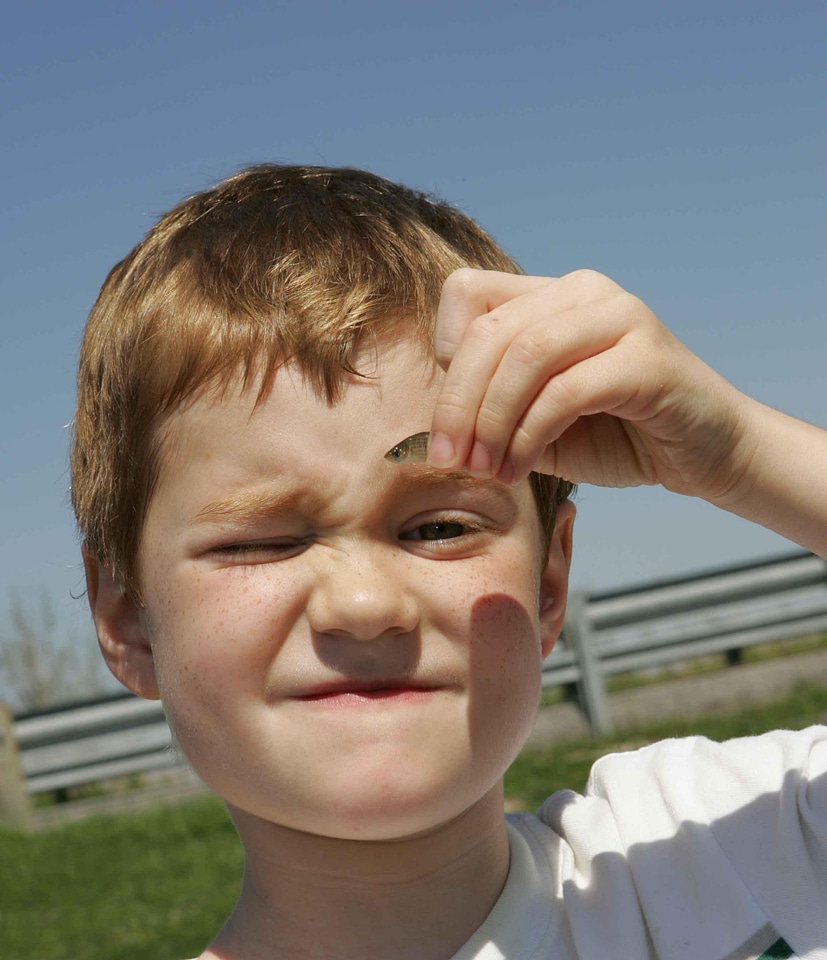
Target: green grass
(158, 885)
(144, 886)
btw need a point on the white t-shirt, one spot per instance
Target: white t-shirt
(683, 850)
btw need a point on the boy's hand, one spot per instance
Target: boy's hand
(576, 377)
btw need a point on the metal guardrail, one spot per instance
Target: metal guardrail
(93, 741)
(606, 633)
(681, 619)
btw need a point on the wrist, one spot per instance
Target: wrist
(781, 479)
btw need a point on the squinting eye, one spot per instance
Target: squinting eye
(260, 551)
(440, 530)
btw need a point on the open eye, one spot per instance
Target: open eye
(446, 536)
(450, 531)
(438, 530)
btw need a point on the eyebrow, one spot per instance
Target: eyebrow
(424, 477)
(248, 506)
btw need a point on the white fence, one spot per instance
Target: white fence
(606, 633)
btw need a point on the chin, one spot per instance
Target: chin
(383, 812)
(399, 800)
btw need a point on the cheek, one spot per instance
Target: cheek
(504, 652)
(504, 682)
(497, 625)
(216, 633)
(492, 607)
(215, 637)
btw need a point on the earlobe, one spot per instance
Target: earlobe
(121, 629)
(554, 581)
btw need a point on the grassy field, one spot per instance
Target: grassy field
(156, 886)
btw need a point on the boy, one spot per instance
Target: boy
(348, 649)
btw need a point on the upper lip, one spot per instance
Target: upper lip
(345, 685)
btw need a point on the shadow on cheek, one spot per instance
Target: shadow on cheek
(504, 661)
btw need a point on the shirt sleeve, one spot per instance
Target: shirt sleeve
(750, 812)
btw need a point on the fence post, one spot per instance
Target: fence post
(14, 799)
(591, 687)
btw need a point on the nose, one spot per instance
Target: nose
(362, 594)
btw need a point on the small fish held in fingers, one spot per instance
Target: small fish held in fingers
(413, 449)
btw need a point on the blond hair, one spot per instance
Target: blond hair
(274, 264)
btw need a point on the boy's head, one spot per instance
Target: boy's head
(344, 646)
(275, 264)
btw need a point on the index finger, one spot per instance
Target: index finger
(468, 294)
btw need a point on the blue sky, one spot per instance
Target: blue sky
(677, 147)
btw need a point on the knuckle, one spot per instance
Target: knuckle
(484, 328)
(592, 280)
(461, 282)
(635, 316)
(628, 302)
(490, 421)
(451, 408)
(530, 348)
(586, 275)
(559, 394)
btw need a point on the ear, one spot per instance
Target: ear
(554, 581)
(121, 627)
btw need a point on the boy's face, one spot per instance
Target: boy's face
(344, 646)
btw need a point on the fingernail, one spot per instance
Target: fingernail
(479, 463)
(441, 451)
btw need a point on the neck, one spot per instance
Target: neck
(307, 897)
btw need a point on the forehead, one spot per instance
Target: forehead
(396, 386)
(235, 452)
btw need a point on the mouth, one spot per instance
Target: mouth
(354, 693)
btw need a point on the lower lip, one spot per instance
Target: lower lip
(361, 698)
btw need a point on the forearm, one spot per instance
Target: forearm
(784, 486)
